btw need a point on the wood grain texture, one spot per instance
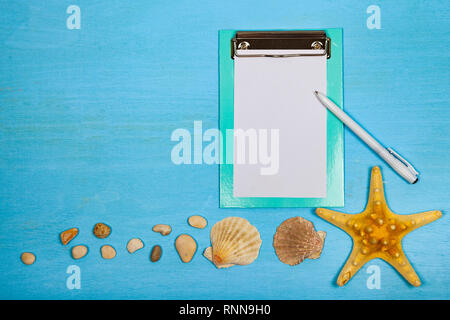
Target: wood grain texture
(85, 123)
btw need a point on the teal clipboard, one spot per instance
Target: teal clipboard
(335, 133)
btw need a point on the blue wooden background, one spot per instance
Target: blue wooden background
(85, 123)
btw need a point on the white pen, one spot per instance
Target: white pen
(399, 164)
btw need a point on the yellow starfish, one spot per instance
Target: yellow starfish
(377, 232)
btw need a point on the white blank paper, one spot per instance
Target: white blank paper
(278, 93)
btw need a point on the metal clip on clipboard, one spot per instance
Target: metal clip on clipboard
(316, 41)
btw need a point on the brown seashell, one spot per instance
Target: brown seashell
(316, 255)
(296, 239)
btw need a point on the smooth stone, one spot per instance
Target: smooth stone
(134, 245)
(108, 252)
(186, 247)
(156, 253)
(28, 258)
(79, 252)
(163, 229)
(197, 222)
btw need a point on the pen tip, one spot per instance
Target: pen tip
(316, 92)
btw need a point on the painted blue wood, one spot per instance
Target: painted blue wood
(85, 123)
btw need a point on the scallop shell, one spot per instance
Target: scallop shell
(296, 239)
(233, 241)
(208, 255)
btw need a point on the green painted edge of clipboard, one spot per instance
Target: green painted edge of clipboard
(335, 132)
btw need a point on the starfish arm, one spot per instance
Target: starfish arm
(337, 218)
(401, 263)
(376, 191)
(411, 222)
(353, 264)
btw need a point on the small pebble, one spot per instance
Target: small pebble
(134, 245)
(156, 253)
(186, 247)
(108, 252)
(164, 229)
(28, 258)
(102, 230)
(68, 235)
(197, 222)
(79, 252)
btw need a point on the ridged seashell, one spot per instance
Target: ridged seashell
(233, 241)
(296, 239)
(208, 255)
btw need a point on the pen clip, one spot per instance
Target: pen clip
(403, 160)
